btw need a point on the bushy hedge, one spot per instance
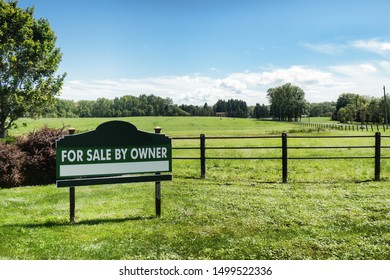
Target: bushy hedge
(11, 165)
(30, 160)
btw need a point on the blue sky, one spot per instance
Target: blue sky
(201, 51)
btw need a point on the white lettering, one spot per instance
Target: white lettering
(152, 152)
(158, 154)
(164, 152)
(134, 153)
(89, 155)
(143, 153)
(124, 151)
(117, 153)
(79, 155)
(95, 155)
(99, 154)
(71, 155)
(63, 155)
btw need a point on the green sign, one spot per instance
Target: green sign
(115, 148)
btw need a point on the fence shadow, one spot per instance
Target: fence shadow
(52, 224)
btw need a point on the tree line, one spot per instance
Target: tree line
(351, 107)
(150, 105)
(287, 103)
(125, 106)
(144, 105)
(231, 108)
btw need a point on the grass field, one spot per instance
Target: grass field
(173, 126)
(330, 209)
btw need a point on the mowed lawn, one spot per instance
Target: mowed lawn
(330, 209)
(173, 126)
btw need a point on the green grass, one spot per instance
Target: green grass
(319, 120)
(201, 219)
(173, 126)
(330, 209)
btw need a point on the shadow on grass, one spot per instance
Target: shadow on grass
(337, 181)
(50, 224)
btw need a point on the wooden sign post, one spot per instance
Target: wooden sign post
(116, 152)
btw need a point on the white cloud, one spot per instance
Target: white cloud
(330, 49)
(385, 65)
(232, 84)
(365, 79)
(373, 45)
(367, 68)
(319, 84)
(355, 70)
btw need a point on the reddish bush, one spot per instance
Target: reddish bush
(31, 160)
(40, 155)
(11, 165)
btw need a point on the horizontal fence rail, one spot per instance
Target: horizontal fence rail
(283, 148)
(349, 127)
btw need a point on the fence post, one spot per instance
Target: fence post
(377, 156)
(72, 191)
(157, 185)
(202, 156)
(284, 157)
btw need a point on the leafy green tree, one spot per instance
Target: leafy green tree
(342, 115)
(207, 110)
(359, 108)
(346, 114)
(193, 110)
(220, 106)
(126, 105)
(28, 62)
(260, 111)
(84, 108)
(237, 109)
(102, 108)
(61, 109)
(385, 105)
(322, 109)
(287, 102)
(345, 99)
(375, 110)
(233, 108)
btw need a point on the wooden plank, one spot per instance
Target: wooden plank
(113, 180)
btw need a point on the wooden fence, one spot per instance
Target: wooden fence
(284, 147)
(349, 127)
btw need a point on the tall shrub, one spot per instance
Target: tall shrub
(11, 165)
(39, 147)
